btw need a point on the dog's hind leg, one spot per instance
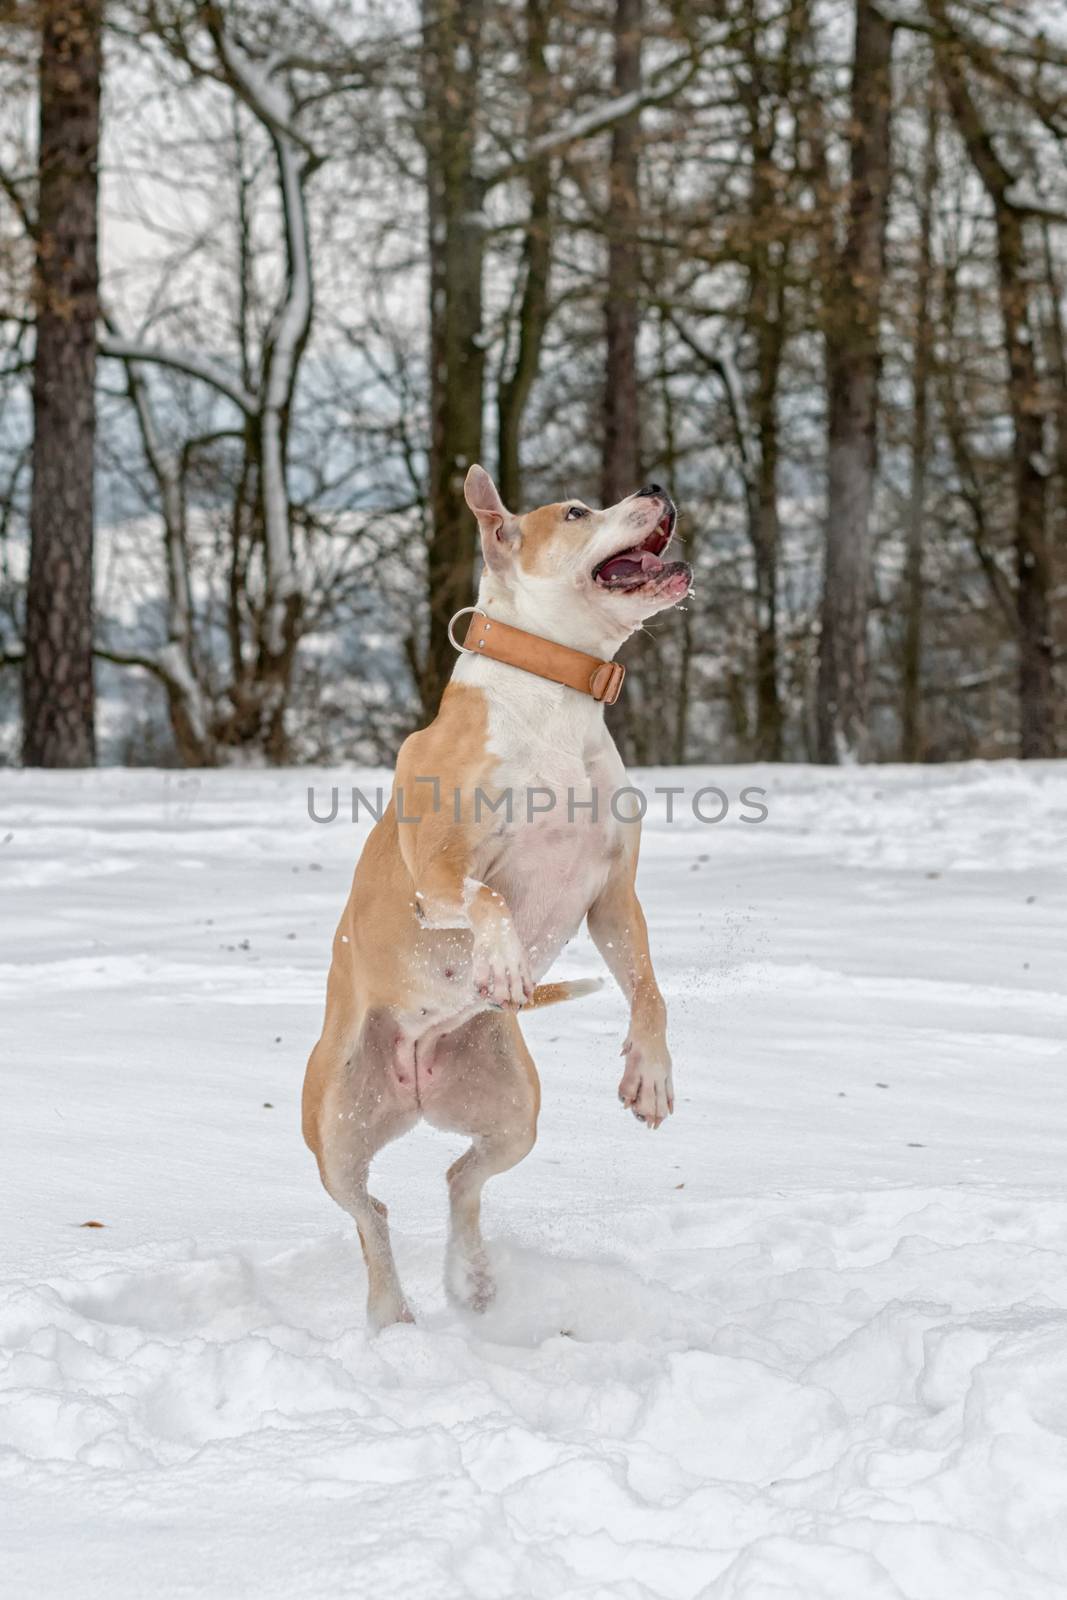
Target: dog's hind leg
(468, 1276)
(364, 1106)
(483, 1083)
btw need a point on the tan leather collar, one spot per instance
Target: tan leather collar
(556, 662)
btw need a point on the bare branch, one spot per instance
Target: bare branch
(668, 81)
(192, 366)
(256, 84)
(130, 658)
(22, 210)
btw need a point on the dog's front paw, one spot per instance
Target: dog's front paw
(500, 970)
(647, 1088)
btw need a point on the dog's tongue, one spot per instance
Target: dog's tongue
(632, 566)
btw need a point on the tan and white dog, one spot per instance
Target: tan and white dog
(502, 835)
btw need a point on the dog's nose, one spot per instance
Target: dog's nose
(649, 490)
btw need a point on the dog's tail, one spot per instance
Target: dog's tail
(550, 994)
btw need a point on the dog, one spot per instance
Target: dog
(472, 881)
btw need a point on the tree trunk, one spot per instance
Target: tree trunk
(852, 369)
(765, 316)
(291, 328)
(972, 483)
(1033, 567)
(674, 689)
(620, 464)
(189, 716)
(767, 541)
(452, 30)
(911, 728)
(58, 669)
(537, 253)
(620, 467)
(260, 703)
(1056, 340)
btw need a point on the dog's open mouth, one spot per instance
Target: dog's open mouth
(642, 567)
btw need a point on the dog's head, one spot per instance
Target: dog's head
(582, 576)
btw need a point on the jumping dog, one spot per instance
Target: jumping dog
(504, 831)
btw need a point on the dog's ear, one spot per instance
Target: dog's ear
(499, 529)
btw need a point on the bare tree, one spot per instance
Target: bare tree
(1033, 579)
(459, 180)
(769, 86)
(58, 669)
(516, 384)
(853, 360)
(911, 730)
(268, 583)
(621, 459)
(456, 222)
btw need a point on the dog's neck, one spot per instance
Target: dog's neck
(563, 619)
(528, 702)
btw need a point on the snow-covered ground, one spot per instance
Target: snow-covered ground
(808, 1340)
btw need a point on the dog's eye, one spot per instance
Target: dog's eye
(574, 512)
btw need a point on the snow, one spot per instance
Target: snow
(808, 1340)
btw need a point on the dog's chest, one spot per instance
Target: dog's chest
(553, 857)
